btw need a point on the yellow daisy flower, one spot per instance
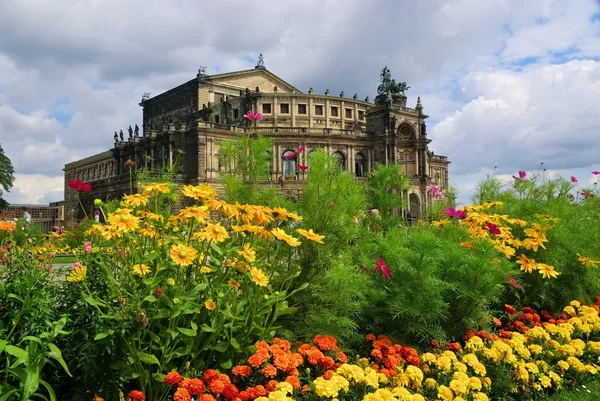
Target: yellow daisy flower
(210, 304)
(311, 235)
(283, 236)
(248, 253)
(215, 232)
(155, 189)
(259, 277)
(183, 255)
(78, 274)
(123, 220)
(198, 191)
(136, 200)
(141, 269)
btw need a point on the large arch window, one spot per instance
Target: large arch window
(360, 165)
(341, 160)
(289, 163)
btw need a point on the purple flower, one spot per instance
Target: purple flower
(573, 178)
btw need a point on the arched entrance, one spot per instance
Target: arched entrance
(414, 208)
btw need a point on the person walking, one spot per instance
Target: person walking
(26, 218)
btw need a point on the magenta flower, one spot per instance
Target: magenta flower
(451, 212)
(250, 115)
(595, 172)
(383, 269)
(573, 178)
(522, 175)
(301, 149)
(492, 228)
(436, 192)
(512, 280)
(290, 156)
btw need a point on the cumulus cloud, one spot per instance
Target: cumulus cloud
(506, 82)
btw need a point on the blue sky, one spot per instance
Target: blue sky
(505, 82)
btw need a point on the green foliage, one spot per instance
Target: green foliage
(7, 177)
(487, 191)
(386, 185)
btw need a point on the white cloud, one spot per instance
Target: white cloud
(70, 75)
(36, 188)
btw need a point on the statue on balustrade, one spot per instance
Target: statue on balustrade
(130, 130)
(121, 135)
(137, 130)
(116, 137)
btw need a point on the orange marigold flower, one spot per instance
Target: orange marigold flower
(314, 356)
(182, 395)
(173, 378)
(136, 395)
(193, 386)
(327, 363)
(271, 385)
(269, 371)
(294, 381)
(98, 399)
(230, 392)
(207, 397)
(325, 343)
(258, 358)
(305, 389)
(283, 344)
(342, 357)
(328, 374)
(242, 371)
(370, 337)
(216, 386)
(376, 353)
(209, 375)
(509, 310)
(262, 345)
(497, 321)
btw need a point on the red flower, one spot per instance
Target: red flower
(79, 186)
(135, 395)
(173, 378)
(512, 280)
(159, 292)
(492, 228)
(383, 269)
(303, 168)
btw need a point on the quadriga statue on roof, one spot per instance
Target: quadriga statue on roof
(389, 85)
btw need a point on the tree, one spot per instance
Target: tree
(6, 176)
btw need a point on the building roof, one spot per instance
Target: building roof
(224, 76)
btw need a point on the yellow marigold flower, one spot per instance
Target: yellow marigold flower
(123, 220)
(233, 284)
(311, 235)
(283, 236)
(259, 277)
(445, 394)
(200, 213)
(248, 253)
(210, 304)
(170, 282)
(215, 232)
(199, 191)
(527, 265)
(547, 271)
(78, 274)
(480, 397)
(183, 255)
(587, 262)
(430, 383)
(136, 200)
(141, 269)
(155, 189)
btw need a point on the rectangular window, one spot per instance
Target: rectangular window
(318, 110)
(284, 108)
(236, 113)
(348, 113)
(335, 112)
(216, 119)
(301, 109)
(361, 115)
(219, 97)
(266, 108)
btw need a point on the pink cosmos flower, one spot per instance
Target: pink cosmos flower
(250, 115)
(383, 269)
(522, 175)
(87, 246)
(436, 192)
(301, 149)
(573, 178)
(451, 212)
(492, 228)
(595, 172)
(512, 280)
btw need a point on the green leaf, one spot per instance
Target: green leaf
(6, 396)
(2, 345)
(50, 390)
(221, 346)
(21, 355)
(187, 332)
(57, 356)
(227, 365)
(194, 326)
(150, 298)
(32, 382)
(149, 359)
(216, 248)
(100, 336)
(205, 327)
(11, 295)
(234, 343)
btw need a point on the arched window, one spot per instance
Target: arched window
(360, 165)
(289, 163)
(341, 160)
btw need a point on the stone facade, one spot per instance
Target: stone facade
(188, 122)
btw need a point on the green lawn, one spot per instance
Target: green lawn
(587, 392)
(64, 259)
